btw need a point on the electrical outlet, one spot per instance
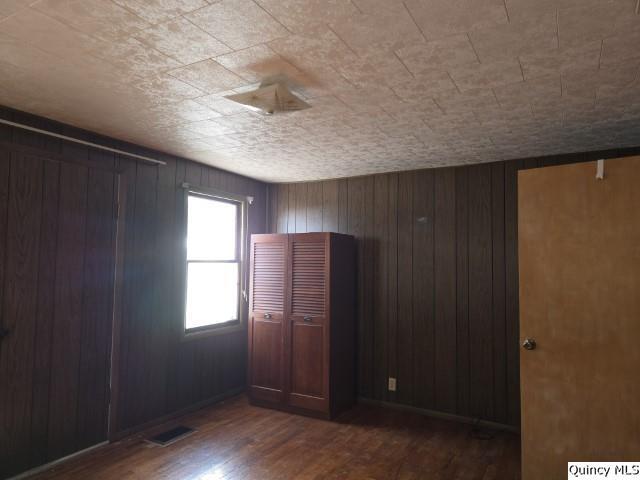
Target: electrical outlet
(392, 384)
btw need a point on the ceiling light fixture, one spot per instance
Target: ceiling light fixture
(270, 98)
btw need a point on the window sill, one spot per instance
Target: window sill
(224, 329)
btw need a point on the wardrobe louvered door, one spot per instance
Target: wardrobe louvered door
(302, 322)
(308, 345)
(266, 317)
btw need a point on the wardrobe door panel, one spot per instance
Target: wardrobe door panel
(266, 319)
(307, 364)
(308, 323)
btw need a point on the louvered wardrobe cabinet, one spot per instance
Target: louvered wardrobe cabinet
(302, 322)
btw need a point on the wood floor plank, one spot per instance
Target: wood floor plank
(234, 441)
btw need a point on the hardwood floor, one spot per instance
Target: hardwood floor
(237, 441)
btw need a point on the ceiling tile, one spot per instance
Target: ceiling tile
(580, 83)
(156, 11)
(620, 48)
(258, 63)
(440, 54)
(509, 116)
(238, 23)
(209, 76)
(16, 55)
(408, 110)
(387, 28)
(9, 7)
(210, 128)
(455, 102)
(47, 34)
(519, 9)
(318, 53)
(374, 68)
(321, 46)
(537, 90)
(220, 141)
(134, 59)
(445, 122)
(424, 85)
(586, 23)
(302, 15)
(616, 79)
(515, 38)
(164, 88)
(192, 111)
(361, 99)
(104, 20)
(486, 75)
(178, 133)
(528, 9)
(439, 18)
(183, 41)
(220, 104)
(558, 60)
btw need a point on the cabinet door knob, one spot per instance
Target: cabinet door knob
(267, 315)
(307, 318)
(529, 344)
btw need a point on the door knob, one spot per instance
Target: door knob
(267, 316)
(529, 344)
(307, 318)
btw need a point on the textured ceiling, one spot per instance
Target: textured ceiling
(394, 85)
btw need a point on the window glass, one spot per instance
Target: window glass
(211, 229)
(212, 294)
(213, 262)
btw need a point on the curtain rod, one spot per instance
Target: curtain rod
(82, 142)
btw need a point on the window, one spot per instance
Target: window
(214, 261)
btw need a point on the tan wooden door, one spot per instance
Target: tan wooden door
(579, 247)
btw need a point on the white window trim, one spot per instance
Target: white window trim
(223, 328)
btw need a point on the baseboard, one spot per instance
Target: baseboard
(49, 465)
(440, 415)
(178, 413)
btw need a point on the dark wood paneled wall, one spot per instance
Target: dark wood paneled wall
(56, 282)
(437, 281)
(159, 373)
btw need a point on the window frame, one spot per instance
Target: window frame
(242, 203)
